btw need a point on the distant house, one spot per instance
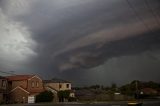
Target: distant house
(21, 87)
(85, 95)
(149, 91)
(56, 85)
(3, 89)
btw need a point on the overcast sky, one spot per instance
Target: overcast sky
(84, 41)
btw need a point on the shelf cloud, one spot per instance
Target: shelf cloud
(71, 38)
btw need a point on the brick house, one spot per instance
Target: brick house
(3, 89)
(22, 86)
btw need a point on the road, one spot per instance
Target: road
(151, 103)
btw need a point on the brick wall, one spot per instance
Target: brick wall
(18, 96)
(37, 86)
(19, 83)
(1, 97)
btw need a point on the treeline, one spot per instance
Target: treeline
(132, 85)
(130, 89)
(137, 86)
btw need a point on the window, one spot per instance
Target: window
(60, 86)
(32, 84)
(3, 83)
(67, 85)
(37, 84)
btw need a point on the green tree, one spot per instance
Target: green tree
(95, 87)
(126, 90)
(113, 87)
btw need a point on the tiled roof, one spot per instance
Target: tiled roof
(19, 77)
(33, 91)
(54, 80)
(20, 88)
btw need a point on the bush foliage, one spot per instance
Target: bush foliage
(46, 96)
(63, 95)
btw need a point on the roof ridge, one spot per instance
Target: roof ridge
(20, 88)
(19, 77)
(51, 88)
(55, 80)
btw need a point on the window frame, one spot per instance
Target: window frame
(60, 86)
(3, 83)
(67, 85)
(32, 84)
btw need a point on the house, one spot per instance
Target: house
(3, 89)
(56, 85)
(149, 91)
(21, 87)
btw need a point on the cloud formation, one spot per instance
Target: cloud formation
(15, 43)
(69, 38)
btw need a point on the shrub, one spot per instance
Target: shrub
(63, 95)
(46, 96)
(72, 99)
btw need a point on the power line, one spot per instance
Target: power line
(136, 14)
(152, 12)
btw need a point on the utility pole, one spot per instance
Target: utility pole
(137, 95)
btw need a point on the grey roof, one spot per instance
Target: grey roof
(55, 80)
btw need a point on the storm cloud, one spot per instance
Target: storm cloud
(102, 41)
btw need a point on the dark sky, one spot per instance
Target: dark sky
(84, 41)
